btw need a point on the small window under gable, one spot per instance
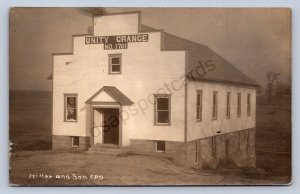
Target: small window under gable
(115, 63)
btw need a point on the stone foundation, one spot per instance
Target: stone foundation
(174, 150)
(65, 142)
(237, 148)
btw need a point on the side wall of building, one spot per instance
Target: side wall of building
(221, 125)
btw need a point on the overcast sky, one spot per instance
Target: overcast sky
(254, 40)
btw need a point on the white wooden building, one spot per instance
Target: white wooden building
(131, 88)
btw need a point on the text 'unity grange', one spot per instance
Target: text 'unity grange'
(116, 42)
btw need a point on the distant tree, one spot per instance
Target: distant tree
(282, 88)
(259, 90)
(272, 78)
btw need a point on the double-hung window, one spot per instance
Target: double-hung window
(228, 105)
(70, 107)
(199, 105)
(248, 105)
(162, 109)
(215, 105)
(239, 105)
(115, 63)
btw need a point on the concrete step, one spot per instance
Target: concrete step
(106, 145)
(103, 152)
(105, 149)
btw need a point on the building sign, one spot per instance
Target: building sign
(116, 42)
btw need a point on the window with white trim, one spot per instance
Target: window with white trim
(228, 105)
(160, 146)
(215, 105)
(199, 105)
(70, 107)
(239, 105)
(115, 63)
(162, 109)
(75, 141)
(248, 105)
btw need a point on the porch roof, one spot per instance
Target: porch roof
(116, 94)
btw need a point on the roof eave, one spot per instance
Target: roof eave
(226, 82)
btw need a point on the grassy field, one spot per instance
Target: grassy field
(31, 155)
(273, 137)
(30, 120)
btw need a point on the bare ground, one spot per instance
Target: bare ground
(122, 170)
(116, 170)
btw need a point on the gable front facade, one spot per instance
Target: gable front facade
(122, 89)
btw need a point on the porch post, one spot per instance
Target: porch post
(97, 125)
(120, 126)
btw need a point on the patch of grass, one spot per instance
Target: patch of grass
(30, 120)
(273, 137)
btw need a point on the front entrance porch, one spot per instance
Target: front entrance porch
(107, 127)
(106, 119)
